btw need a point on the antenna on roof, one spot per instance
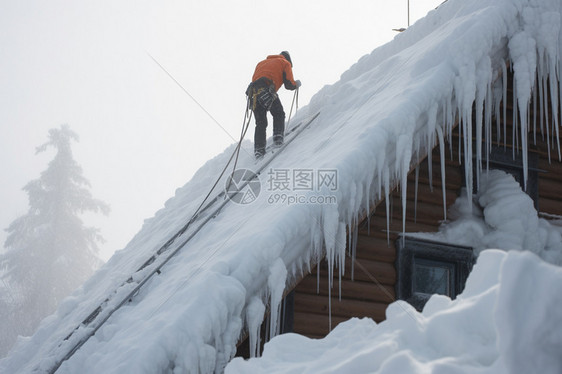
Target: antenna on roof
(408, 13)
(402, 28)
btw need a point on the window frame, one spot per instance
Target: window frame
(410, 248)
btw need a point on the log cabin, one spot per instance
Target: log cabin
(398, 112)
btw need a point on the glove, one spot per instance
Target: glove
(298, 82)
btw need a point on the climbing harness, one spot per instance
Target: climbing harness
(262, 92)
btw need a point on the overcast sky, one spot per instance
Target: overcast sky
(87, 64)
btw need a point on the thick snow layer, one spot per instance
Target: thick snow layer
(505, 321)
(502, 217)
(382, 115)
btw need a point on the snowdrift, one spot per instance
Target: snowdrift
(505, 321)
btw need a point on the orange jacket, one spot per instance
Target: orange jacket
(278, 69)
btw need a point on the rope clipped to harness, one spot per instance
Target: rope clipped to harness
(262, 92)
(265, 96)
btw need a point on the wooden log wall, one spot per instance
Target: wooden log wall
(550, 176)
(550, 187)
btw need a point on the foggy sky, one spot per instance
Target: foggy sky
(87, 64)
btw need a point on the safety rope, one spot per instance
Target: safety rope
(245, 125)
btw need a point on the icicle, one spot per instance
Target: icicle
(318, 278)
(504, 101)
(554, 106)
(515, 137)
(340, 247)
(488, 123)
(254, 318)
(467, 126)
(523, 109)
(276, 282)
(482, 88)
(352, 229)
(353, 253)
(340, 270)
(416, 145)
(541, 103)
(366, 200)
(479, 110)
(535, 112)
(460, 137)
(560, 85)
(334, 239)
(391, 208)
(497, 108)
(448, 116)
(431, 123)
(545, 113)
(405, 145)
(349, 232)
(330, 258)
(416, 193)
(441, 139)
(430, 168)
(553, 133)
(403, 201)
(316, 240)
(379, 185)
(386, 178)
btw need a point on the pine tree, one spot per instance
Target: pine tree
(49, 251)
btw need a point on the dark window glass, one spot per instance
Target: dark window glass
(433, 277)
(426, 267)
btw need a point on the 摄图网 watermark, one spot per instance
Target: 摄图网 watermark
(284, 186)
(291, 199)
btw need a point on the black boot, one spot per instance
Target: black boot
(259, 153)
(278, 140)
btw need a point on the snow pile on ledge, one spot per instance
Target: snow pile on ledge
(507, 320)
(504, 217)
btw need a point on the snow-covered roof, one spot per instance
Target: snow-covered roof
(382, 116)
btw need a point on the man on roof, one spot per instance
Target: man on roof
(269, 76)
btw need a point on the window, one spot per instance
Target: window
(433, 277)
(425, 268)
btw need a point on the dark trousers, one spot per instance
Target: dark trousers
(260, 113)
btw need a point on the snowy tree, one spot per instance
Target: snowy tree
(49, 251)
